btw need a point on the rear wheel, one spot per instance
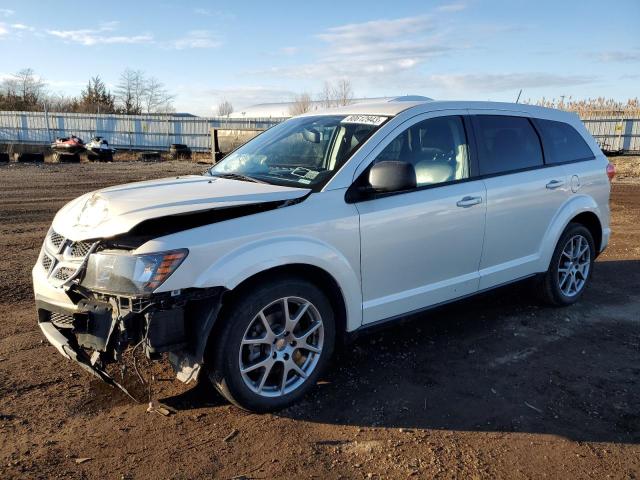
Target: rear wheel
(275, 341)
(571, 267)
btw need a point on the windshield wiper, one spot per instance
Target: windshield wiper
(236, 176)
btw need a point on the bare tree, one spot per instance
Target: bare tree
(62, 103)
(336, 95)
(343, 92)
(24, 90)
(155, 97)
(225, 108)
(301, 104)
(130, 91)
(326, 95)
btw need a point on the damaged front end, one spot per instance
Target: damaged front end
(113, 308)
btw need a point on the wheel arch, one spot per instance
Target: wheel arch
(591, 221)
(579, 209)
(311, 273)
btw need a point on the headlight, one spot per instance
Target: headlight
(116, 272)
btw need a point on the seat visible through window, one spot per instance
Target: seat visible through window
(437, 149)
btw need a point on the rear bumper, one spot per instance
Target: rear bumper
(606, 235)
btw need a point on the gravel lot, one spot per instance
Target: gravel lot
(496, 386)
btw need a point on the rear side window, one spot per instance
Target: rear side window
(506, 144)
(562, 143)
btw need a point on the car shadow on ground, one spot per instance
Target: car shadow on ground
(496, 362)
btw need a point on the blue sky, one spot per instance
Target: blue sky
(253, 52)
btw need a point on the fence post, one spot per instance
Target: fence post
(215, 146)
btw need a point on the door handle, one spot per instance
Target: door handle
(553, 184)
(467, 202)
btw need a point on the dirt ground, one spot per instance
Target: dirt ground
(493, 387)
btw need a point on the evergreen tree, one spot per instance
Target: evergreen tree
(95, 98)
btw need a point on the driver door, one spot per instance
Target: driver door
(423, 246)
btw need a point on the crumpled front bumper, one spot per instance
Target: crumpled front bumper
(63, 345)
(98, 329)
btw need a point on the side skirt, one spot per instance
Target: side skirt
(386, 322)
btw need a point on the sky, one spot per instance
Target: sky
(256, 52)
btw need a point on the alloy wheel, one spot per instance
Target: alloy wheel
(574, 265)
(281, 346)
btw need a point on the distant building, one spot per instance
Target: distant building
(283, 109)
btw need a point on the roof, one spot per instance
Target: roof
(392, 108)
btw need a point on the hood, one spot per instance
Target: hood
(116, 210)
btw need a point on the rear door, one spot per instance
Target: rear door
(523, 195)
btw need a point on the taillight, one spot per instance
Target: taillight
(611, 171)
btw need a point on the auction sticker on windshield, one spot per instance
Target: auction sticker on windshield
(365, 119)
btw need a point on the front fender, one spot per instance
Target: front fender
(574, 206)
(252, 258)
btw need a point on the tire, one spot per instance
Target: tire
(276, 349)
(556, 285)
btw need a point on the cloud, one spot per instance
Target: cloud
(5, 12)
(500, 82)
(197, 39)
(205, 12)
(289, 50)
(22, 26)
(202, 11)
(452, 7)
(100, 36)
(617, 56)
(377, 31)
(373, 48)
(16, 30)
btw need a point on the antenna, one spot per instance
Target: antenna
(519, 93)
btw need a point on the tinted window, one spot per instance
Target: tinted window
(437, 149)
(562, 143)
(506, 144)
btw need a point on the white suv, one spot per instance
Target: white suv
(322, 226)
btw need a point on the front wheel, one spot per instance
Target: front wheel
(571, 267)
(275, 341)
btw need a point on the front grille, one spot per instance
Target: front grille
(61, 320)
(80, 249)
(46, 261)
(64, 273)
(62, 258)
(56, 239)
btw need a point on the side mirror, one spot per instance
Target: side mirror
(393, 176)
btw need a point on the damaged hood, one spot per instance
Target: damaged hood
(116, 210)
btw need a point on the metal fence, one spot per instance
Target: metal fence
(615, 134)
(615, 131)
(136, 132)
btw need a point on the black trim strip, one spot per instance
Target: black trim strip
(363, 329)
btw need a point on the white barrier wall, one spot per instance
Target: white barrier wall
(137, 132)
(157, 132)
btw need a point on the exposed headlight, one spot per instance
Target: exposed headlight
(117, 272)
(94, 212)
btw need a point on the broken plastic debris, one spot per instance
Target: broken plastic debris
(157, 407)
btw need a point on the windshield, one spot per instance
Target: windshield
(302, 152)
